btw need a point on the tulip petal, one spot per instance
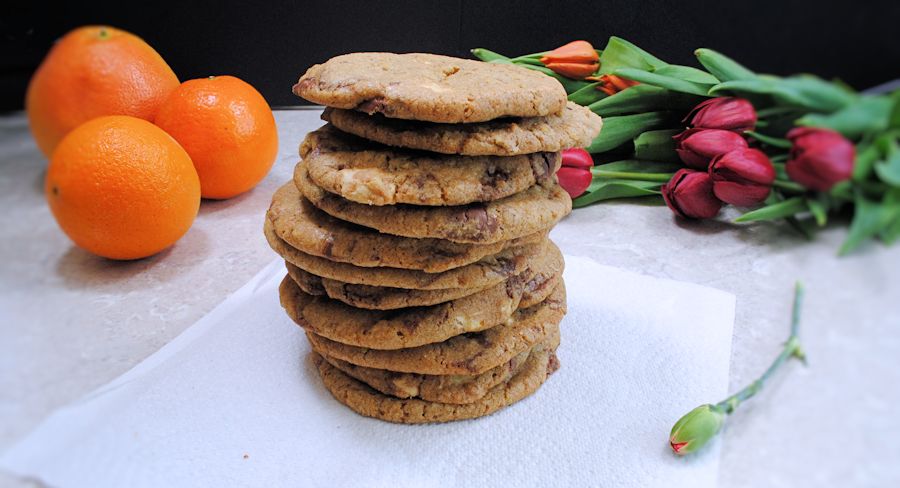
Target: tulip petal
(577, 157)
(574, 180)
(573, 52)
(573, 70)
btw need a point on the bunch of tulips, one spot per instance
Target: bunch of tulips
(796, 148)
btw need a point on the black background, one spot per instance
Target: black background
(271, 44)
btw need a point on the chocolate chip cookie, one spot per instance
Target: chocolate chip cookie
(366, 401)
(374, 174)
(440, 388)
(390, 298)
(401, 329)
(485, 272)
(467, 354)
(416, 326)
(526, 212)
(304, 227)
(430, 87)
(576, 126)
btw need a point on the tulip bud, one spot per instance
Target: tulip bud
(576, 59)
(697, 147)
(742, 177)
(726, 113)
(820, 158)
(695, 429)
(612, 84)
(690, 195)
(575, 173)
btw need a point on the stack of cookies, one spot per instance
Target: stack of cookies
(415, 232)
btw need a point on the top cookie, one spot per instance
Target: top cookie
(430, 87)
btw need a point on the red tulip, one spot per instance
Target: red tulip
(576, 59)
(574, 180)
(742, 177)
(577, 157)
(697, 147)
(726, 113)
(690, 195)
(819, 158)
(575, 173)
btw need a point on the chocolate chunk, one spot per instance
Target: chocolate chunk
(371, 106)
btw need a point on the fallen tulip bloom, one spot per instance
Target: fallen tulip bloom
(819, 158)
(576, 60)
(697, 147)
(726, 113)
(742, 177)
(690, 195)
(696, 428)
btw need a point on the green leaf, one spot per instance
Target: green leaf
(569, 84)
(621, 129)
(803, 226)
(866, 156)
(489, 56)
(620, 53)
(723, 67)
(687, 73)
(671, 83)
(888, 170)
(587, 95)
(775, 211)
(656, 145)
(895, 112)
(891, 230)
(869, 218)
(866, 115)
(804, 91)
(818, 210)
(644, 98)
(609, 189)
(772, 141)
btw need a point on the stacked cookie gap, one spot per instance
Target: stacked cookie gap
(415, 232)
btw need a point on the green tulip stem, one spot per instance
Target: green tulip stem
(789, 185)
(530, 56)
(774, 112)
(622, 175)
(791, 349)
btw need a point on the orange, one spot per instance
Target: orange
(122, 188)
(94, 71)
(228, 129)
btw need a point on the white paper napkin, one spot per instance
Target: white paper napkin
(234, 401)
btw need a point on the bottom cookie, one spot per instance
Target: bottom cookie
(368, 402)
(441, 388)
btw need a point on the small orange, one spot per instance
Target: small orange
(228, 129)
(122, 188)
(94, 71)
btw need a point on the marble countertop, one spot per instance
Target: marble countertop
(71, 322)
